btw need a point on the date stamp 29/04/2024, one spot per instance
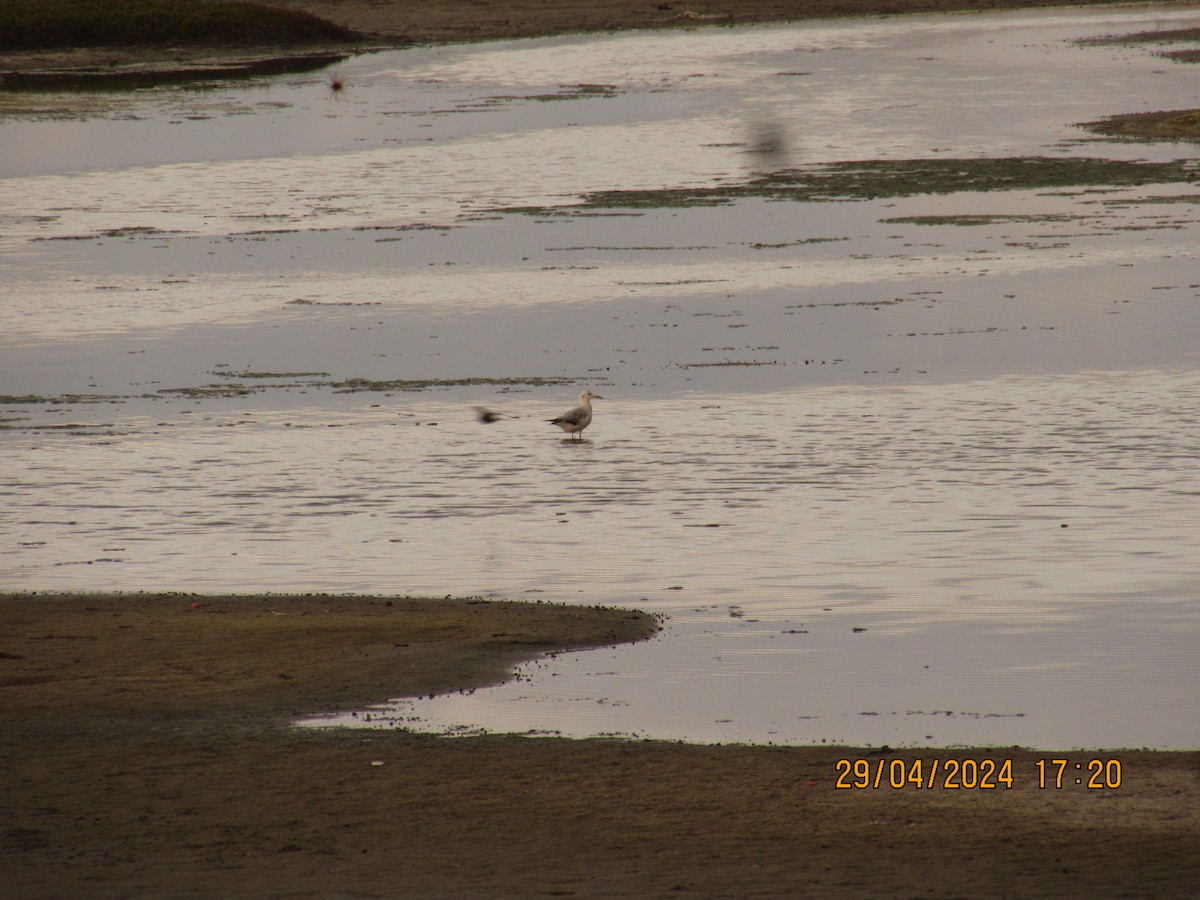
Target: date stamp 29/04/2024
(986, 774)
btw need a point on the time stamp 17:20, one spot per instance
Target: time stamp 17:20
(974, 774)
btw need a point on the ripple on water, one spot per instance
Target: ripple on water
(903, 469)
(1010, 513)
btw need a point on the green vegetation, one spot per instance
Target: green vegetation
(871, 179)
(60, 24)
(355, 385)
(1158, 38)
(1176, 36)
(981, 219)
(275, 376)
(1167, 125)
(266, 381)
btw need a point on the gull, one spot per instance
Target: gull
(580, 417)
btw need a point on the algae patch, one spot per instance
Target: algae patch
(261, 382)
(354, 385)
(1164, 125)
(275, 376)
(874, 179)
(1158, 38)
(565, 92)
(60, 400)
(983, 219)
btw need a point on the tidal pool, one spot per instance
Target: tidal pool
(901, 366)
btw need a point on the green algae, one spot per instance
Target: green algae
(566, 92)
(60, 400)
(982, 219)
(276, 376)
(209, 391)
(875, 179)
(355, 385)
(1160, 125)
(280, 380)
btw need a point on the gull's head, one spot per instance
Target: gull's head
(588, 395)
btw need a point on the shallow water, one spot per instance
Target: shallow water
(903, 470)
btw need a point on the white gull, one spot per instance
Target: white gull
(579, 418)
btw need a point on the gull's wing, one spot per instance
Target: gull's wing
(574, 417)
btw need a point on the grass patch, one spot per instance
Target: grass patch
(62, 24)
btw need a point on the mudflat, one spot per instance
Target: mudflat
(147, 748)
(444, 21)
(390, 23)
(147, 751)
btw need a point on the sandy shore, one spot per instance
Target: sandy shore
(147, 752)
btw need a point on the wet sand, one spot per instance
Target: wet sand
(147, 749)
(466, 21)
(147, 752)
(395, 24)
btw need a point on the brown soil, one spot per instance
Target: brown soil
(146, 752)
(471, 20)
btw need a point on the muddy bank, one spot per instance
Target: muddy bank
(390, 25)
(442, 22)
(394, 24)
(270, 658)
(146, 754)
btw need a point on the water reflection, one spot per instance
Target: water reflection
(1038, 531)
(901, 469)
